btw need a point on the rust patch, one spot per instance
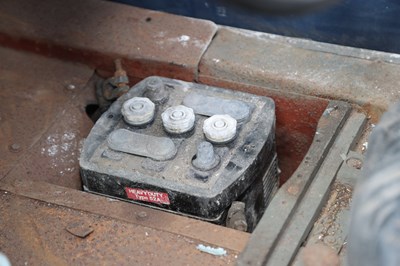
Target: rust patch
(33, 233)
(319, 255)
(131, 213)
(255, 58)
(79, 229)
(32, 93)
(91, 32)
(374, 112)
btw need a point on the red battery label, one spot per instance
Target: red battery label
(147, 195)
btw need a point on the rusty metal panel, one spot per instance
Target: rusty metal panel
(331, 227)
(38, 233)
(282, 64)
(96, 32)
(131, 213)
(301, 222)
(33, 92)
(48, 157)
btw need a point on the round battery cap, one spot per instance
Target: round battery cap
(220, 128)
(138, 111)
(178, 119)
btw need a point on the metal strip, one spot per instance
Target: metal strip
(310, 206)
(283, 205)
(130, 213)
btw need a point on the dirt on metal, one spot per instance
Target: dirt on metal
(339, 199)
(37, 233)
(95, 33)
(39, 116)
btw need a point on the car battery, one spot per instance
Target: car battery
(186, 148)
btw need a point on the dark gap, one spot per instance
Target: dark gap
(92, 112)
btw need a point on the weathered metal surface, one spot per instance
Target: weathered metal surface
(350, 171)
(79, 229)
(280, 63)
(283, 206)
(332, 224)
(301, 113)
(34, 91)
(319, 255)
(95, 33)
(316, 195)
(331, 227)
(284, 68)
(35, 233)
(130, 213)
(53, 158)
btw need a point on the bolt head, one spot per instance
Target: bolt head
(220, 128)
(205, 158)
(178, 119)
(155, 90)
(138, 111)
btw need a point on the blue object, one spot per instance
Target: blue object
(211, 250)
(370, 24)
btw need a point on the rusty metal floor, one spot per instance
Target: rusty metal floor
(45, 218)
(42, 125)
(35, 233)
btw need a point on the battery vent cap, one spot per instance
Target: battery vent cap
(178, 119)
(220, 128)
(138, 111)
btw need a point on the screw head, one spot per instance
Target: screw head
(138, 111)
(220, 128)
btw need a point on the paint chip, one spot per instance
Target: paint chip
(211, 250)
